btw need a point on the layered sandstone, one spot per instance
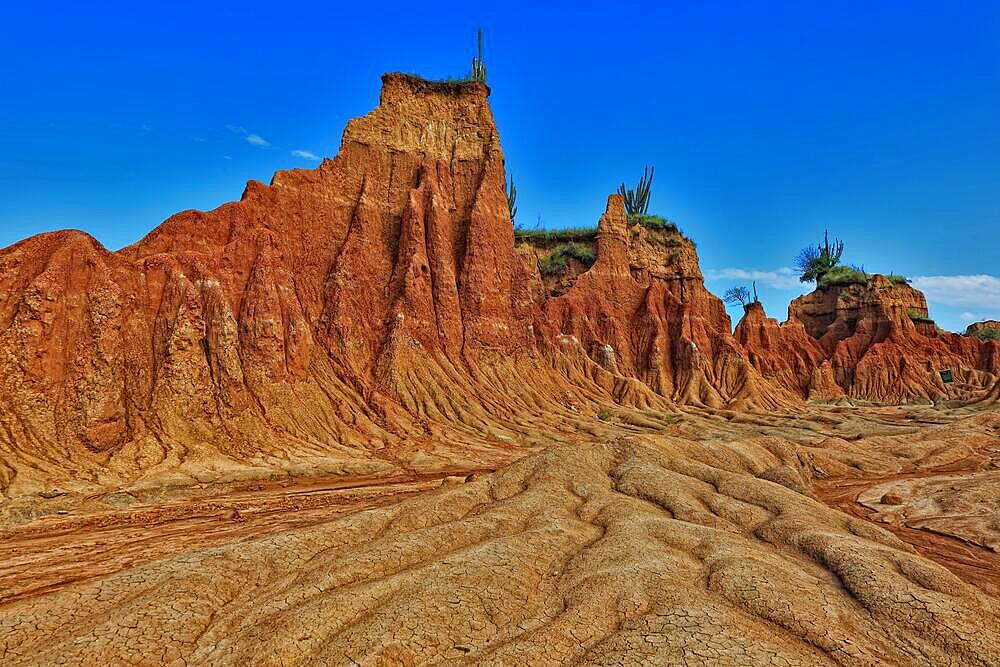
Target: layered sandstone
(373, 315)
(787, 355)
(642, 311)
(313, 323)
(192, 426)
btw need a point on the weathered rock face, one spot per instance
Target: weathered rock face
(787, 355)
(979, 328)
(644, 300)
(873, 342)
(373, 314)
(315, 317)
(325, 319)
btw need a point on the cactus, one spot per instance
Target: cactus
(637, 200)
(512, 198)
(478, 65)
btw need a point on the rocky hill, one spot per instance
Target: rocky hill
(870, 342)
(985, 329)
(375, 315)
(323, 319)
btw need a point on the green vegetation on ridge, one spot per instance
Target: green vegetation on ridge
(987, 334)
(841, 276)
(558, 261)
(653, 222)
(579, 234)
(821, 263)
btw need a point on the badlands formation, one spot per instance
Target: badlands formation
(349, 420)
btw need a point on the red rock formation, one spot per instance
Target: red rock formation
(372, 314)
(873, 342)
(326, 319)
(644, 301)
(787, 355)
(980, 328)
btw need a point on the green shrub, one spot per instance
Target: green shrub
(987, 334)
(840, 276)
(557, 261)
(843, 275)
(556, 235)
(653, 222)
(917, 317)
(815, 261)
(552, 265)
(581, 253)
(605, 415)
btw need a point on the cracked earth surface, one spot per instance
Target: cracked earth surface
(633, 551)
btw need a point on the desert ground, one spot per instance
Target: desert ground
(832, 535)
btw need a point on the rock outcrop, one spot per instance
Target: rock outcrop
(787, 355)
(644, 303)
(872, 342)
(328, 318)
(373, 315)
(986, 327)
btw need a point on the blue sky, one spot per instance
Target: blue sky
(766, 121)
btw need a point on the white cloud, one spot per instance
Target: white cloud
(968, 317)
(306, 155)
(783, 278)
(980, 291)
(227, 157)
(250, 137)
(257, 140)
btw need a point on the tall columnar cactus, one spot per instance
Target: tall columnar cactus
(512, 198)
(478, 65)
(637, 200)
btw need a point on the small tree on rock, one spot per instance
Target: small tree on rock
(814, 262)
(739, 294)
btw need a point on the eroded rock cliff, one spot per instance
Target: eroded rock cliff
(873, 342)
(373, 315)
(361, 317)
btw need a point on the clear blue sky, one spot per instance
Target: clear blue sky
(766, 121)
